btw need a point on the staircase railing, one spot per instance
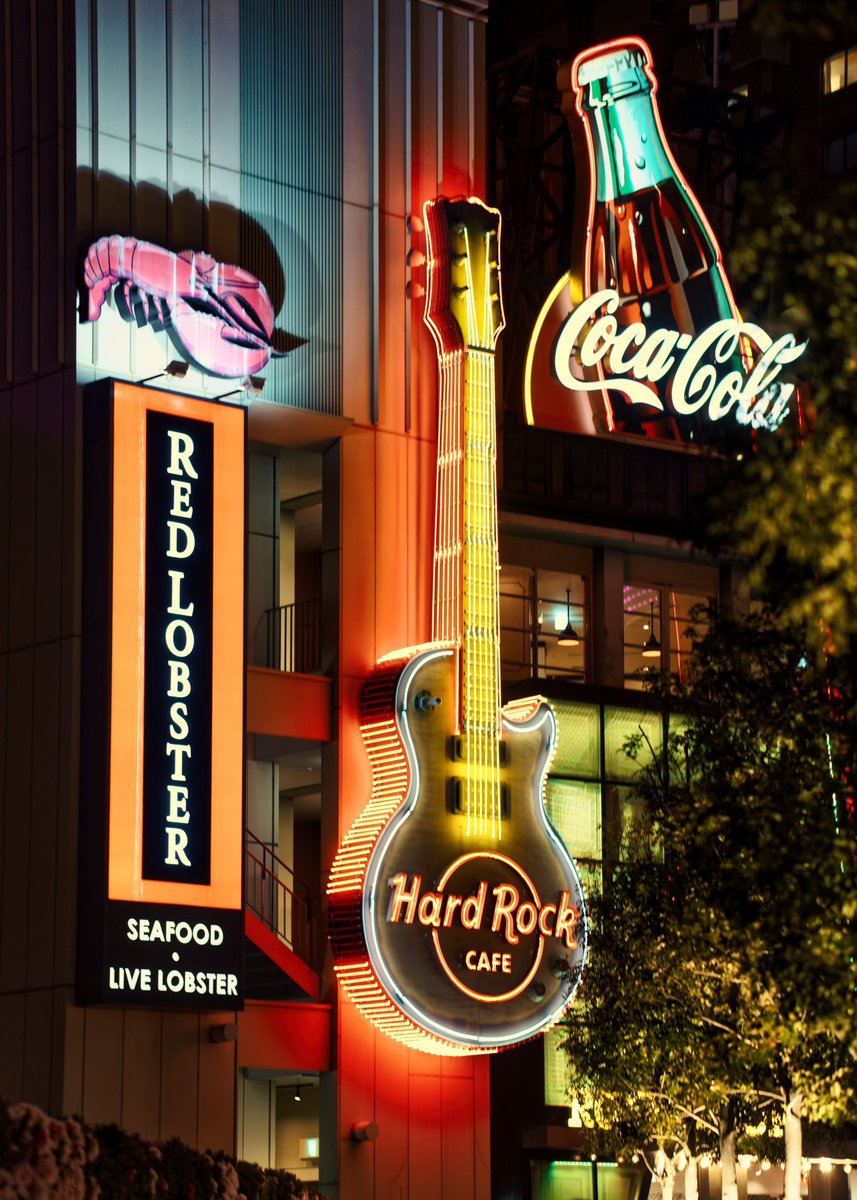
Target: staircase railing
(283, 903)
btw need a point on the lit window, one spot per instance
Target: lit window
(658, 621)
(543, 624)
(839, 71)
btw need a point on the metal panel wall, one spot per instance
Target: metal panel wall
(291, 184)
(39, 611)
(158, 102)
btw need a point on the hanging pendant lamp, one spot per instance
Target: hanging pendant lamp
(652, 648)
(568, 637)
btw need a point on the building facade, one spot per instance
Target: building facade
(300, 140)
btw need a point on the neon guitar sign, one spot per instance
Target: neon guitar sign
(456, 913)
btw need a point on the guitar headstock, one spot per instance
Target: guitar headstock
(464, 306)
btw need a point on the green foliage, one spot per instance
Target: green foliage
(795, 517)
(748, 812)
(829, 20)
(722, 973)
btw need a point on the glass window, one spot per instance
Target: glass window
(618, 1182)
(643, 637)
(658, 621)
(620, 724)
(516, 622)
(575, 812)
(851, 151)
(834, 73)
(562, 625)
(562, 1180)
(553, 645)
(578, 740)
(851, 66)
(834, 157)
(686, 613)
(555, 1072)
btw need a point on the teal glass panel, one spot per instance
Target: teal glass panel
(620, 724)
(579, 740)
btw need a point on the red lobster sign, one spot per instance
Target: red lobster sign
(219, 317)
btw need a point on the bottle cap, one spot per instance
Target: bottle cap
(611, 71)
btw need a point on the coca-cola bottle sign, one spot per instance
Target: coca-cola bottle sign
(643, 336)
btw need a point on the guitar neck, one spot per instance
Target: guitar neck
(466, 566)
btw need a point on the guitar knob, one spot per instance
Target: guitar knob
(536, 992)
(425, 702)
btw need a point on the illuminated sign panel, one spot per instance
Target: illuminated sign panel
(162, 820)
(642, 336)
(219, 317)
(457, 915)
(178, 623)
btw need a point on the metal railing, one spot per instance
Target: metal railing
(283, 903)
(293, 637)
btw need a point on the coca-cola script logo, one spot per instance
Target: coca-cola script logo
(489, 925)
(218, 316)
(702, 372)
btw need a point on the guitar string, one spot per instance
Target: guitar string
(466, 567)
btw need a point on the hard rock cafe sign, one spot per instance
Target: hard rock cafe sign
(642, 336)
(457, 916)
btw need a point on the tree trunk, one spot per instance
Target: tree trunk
(794, 1145)
(668, 1178)
(691, 1180)
(728, 1139)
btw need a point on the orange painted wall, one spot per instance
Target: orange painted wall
(433, 1113)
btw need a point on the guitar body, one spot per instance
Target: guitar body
(449, 917)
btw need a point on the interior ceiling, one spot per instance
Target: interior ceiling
(308, 528)
(300, 775)
(300, 474)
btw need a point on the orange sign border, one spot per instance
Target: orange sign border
(229, 422)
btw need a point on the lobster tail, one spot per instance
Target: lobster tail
(109, 260)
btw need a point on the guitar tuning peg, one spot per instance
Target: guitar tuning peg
(414, 290)
(458, 259)
(459, 291)
(416, 258)
(413, 223)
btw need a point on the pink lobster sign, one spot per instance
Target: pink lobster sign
(219, 317)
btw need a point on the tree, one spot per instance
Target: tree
(739, 954)
(643, 1067)
(793, 514)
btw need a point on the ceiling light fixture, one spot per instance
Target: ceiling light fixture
(568, 637)
(652, 648)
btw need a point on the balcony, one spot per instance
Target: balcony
(288, 638)
(283, 927)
